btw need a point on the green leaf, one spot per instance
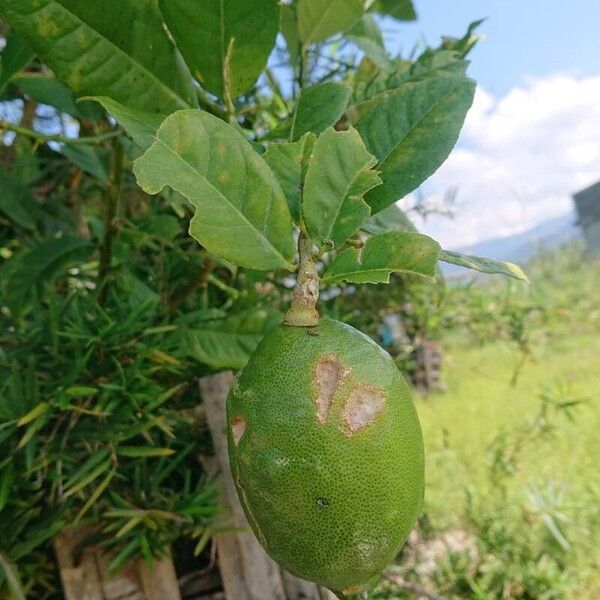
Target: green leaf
(391, 218)
(141, 126)
(372, 80)
(411, 130)
(33, 414)
(6, 480)
(385, 254)
(228, 343)
(105, 49)
(48, 90)
(143, 451)
(320, 19)
(87, 159)
(484, 265)
(18, 203)
(95, 495)
(15, 57)
(464, 44)
(319, 107)
(339, 175)
(94, 460)
(241, 211)
(289, 28)
(403, 10)
(288, 163)
(29, 270)
(80, 391)
(89, 477)
(9, 570)
(367, 36)
(217, 37)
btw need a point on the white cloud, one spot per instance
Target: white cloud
(519, 159)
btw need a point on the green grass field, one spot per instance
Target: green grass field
(460, 424)
(522, 481)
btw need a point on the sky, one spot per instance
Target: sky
(532, 137)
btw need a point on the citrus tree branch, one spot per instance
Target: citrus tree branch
(44, 138)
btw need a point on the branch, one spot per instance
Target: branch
(303, 312)
(42, 137)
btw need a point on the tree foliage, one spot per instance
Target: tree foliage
(108, 309)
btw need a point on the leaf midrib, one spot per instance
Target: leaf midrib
(334, 221)
(419, 121)
(218, 192)
(171, 93)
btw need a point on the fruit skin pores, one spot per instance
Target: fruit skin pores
(326, 453)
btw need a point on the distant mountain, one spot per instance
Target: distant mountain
(522, 246)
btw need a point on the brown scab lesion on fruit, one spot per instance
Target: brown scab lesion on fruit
(329, 374)
(364, 403)
(238, 427)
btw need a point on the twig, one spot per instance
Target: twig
(303, 312)
(412, 588)
(209, 106)
(42, 137)
(110, 212)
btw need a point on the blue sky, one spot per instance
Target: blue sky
(532, 137)
(522, 38)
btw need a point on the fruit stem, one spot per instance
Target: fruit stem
(303, 312)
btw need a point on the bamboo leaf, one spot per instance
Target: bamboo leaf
(33, 414)
(484, 265)
(95, 459)
(143, 451)
(18, 203)
(339, 175)
(385, 254)
(218, 37)
(13, 581)
(241, 211)
(31, 269)
(95, 495)
(95, 473)
(6, 481)
(80, 391)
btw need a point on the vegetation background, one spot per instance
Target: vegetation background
(109, 312)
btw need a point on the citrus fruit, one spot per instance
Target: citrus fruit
(326, 453)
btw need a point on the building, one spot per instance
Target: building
(587, 204)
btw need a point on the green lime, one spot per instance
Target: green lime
(326, 453)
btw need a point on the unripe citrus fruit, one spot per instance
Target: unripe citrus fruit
(326, 453)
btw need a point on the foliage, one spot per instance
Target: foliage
(109, 310)
(510, 467)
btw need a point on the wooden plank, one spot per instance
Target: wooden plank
(81, 580)
(247, 571)
(86, 577)
(159, 581)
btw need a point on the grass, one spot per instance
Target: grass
(480, 410)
